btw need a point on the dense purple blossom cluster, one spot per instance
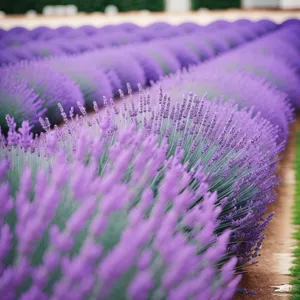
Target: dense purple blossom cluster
(160, 194)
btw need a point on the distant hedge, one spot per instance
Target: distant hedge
(215, 4)
(21, 7)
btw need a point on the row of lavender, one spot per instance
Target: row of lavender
(36, 87)
(250, 75)
(21, 44)
(156, 197)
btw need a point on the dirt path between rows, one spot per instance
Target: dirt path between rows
(275, 261)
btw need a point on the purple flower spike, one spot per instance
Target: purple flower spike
(6, 203)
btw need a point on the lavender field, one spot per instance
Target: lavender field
(144, 162)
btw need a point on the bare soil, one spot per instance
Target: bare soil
(276, 253)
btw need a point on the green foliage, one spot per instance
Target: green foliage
(295, 270)
(216, 4)
(20, 7)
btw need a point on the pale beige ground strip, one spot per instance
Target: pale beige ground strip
(143, 19)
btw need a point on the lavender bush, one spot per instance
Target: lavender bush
(20, 101)
(60, 229)
(49, 86)
(265, 68)
(127, 70)
(239, 87)
(166, 61)
(187, 131)
(93, 83)
(278, 44)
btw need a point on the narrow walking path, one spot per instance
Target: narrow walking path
(276, 254)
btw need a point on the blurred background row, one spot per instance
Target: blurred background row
(49, 7)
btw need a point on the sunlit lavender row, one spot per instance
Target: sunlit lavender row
(158, 194)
